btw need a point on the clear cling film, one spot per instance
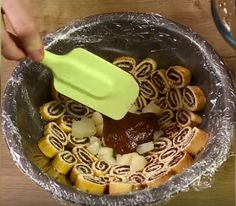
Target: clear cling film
(110, 36)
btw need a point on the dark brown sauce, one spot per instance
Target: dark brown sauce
(126, 134)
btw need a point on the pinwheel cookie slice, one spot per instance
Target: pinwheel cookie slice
(53, 128)
(137, 179)
(76, 109)
(52, 110)
(65, 122)
(187, 118)
(193, 98)
(159, 178)
(80, 169)
(160, 81)
(174, 99)
(145, 68)
(180, 162)
(178, 76)
(63, 162)
(50, 145)
(91, 184)
(75, 141)
(126, 63)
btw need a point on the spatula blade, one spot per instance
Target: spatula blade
(94, 82)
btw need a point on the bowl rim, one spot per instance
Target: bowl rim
(141, 197)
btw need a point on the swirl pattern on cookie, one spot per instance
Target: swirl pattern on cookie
(53, 128)
(76, 109)
(154, 168)
(52, 110)
(180, 162)
(172, 129)
(196, 141)
(80, 169)
(174, 99)
(65, 122)
(193, 98)
(100, 167)
(140, 102)
(168, 154)
(91, 184)
(178, 76)
(83, 155)
(182, 137)
(166, 118)
(162, 144)
(187, 118)
(75, 141)
(137, 179)
(159, 80)
(161, 102)
(50, 145)
(120, 170)
(147, 89)
(126, 63)
(63, 162)
(145, 68)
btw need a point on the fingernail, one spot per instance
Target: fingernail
(36, 55)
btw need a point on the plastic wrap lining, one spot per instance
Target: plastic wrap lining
(111, 35)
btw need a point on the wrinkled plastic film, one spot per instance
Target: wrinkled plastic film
(109, 36)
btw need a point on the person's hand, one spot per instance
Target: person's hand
(26, 41)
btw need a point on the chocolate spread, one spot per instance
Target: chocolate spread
(126, 134)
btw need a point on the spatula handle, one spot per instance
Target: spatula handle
(50, 59)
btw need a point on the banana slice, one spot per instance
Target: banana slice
(93, 148)
(83, 128)
(99, 129)
(63, 162)
(124, 159)
(52, 110)
(97, 118)
(95, 139)
(152, 108)
(118, 188)
(50, 145)
(105, 151)
(90, 184)
(137, 163)
(145, 147)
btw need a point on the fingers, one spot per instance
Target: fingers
(24, 28)
(10, 49)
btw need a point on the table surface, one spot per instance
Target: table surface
(17, 189)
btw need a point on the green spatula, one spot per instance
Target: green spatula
(92, 81)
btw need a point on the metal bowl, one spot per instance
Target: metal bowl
(110, 35)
